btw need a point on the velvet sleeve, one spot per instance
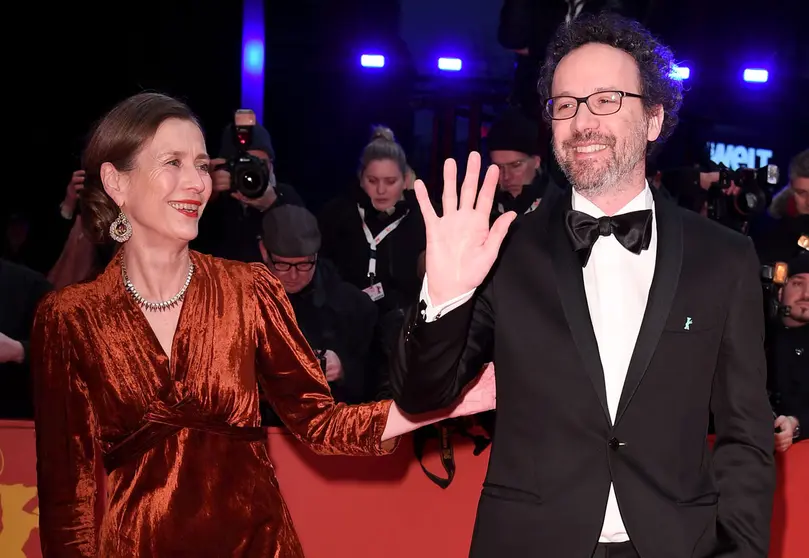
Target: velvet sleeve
(296, 387)
(66, 430)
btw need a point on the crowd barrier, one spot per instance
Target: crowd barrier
(369, 507)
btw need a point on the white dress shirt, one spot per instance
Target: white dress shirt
(616, 283)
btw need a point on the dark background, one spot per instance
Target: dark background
(67, 64)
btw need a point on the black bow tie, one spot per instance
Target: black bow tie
(633, 230)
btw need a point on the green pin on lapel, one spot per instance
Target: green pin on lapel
(688, 322)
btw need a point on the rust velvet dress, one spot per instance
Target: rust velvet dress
(188, 468)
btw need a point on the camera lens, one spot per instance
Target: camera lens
(249, 184)
(251, 176)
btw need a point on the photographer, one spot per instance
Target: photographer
(22, 290)
(775, 234)
(337, 318)
(231, 223)
(789, 356)
(526, 27)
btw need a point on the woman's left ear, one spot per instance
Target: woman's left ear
(116, 183)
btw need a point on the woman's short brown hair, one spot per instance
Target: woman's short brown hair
(117, 139)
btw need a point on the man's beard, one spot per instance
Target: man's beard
(799, 313)
(592, 177)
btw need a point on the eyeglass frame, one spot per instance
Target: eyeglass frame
(584, 100)
(296, 265)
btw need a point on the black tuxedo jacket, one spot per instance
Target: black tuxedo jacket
(555, 449)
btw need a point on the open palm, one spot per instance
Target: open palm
(461, 248)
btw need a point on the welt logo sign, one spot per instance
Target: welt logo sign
(735, 156)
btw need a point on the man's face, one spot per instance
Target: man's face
(795, 294)
(294, 273)
(516, 169)
(597, 153)
(800, 190)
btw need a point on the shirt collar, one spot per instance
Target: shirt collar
(644, 200)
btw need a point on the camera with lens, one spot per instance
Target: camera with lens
(755, 191)
(773, 277)
(249, 175)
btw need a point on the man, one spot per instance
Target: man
(616, 322)
(337, 319)
(232, 222)
(787, 220)
(22, 290)
(789, 357)
(514, 146)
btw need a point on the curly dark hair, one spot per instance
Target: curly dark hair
(654, 59)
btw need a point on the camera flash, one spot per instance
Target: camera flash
(780, 273)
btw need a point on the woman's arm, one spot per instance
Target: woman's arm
(67, 454)
(480, 396)
(296, 387)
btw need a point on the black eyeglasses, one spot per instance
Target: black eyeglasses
(601, 103)
(300, 266)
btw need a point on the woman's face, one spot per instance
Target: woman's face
(384, 183)
(164, 195)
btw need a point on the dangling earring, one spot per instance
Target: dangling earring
(121, 228)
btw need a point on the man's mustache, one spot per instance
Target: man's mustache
(589, 137)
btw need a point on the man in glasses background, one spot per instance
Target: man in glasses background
(337, 319)
(516, 147)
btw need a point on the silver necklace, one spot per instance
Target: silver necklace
(155, 306)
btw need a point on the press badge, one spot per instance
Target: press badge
(375, 291)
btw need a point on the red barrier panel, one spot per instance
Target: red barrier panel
(369, 507)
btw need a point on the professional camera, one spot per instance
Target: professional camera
(755, 192)
(773, 277)
(249, 175)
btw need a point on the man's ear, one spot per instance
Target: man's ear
(655, 123)
(116, 183)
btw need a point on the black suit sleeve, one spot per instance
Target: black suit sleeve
(743, 454)
(434, 361)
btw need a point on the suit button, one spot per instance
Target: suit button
(614, 443)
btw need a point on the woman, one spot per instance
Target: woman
(376, 238)
(150, 371)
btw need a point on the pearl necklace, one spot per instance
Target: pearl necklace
(155, 306)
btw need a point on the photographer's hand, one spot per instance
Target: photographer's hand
(76, 185)
(708, 178)
(220, 179)
(266, 201)
(334, 368)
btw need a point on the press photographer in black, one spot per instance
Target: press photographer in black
(777, 231)
(244, 188)
(788, 357)
(21, 288)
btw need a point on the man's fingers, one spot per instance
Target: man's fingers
(449, 198)
(487, 191)
(426, 205)
(469, 189)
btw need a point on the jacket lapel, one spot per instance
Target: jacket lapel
(570, 284)
(661, 295)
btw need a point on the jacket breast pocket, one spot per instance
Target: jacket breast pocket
(694, 323)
